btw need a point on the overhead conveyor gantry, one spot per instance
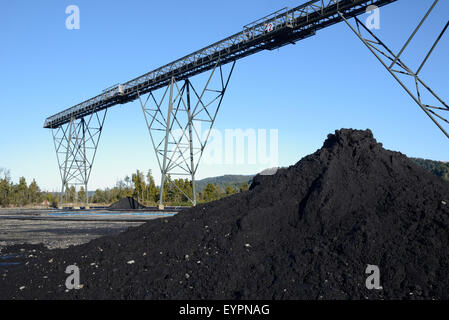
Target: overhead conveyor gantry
(185, 104)
(288, 26)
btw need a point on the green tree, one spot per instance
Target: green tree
(34, 193)
(22, 192)
(70, 194)
(210, 193)
(188, 190)
(229, 190)
(99, 196)
(244, 187)
(152, 192)
(82, 195)
(5, 187)
(128, 182)
(139, 185)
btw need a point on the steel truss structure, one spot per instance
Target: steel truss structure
(279, 29)
(392, 62)
(76, 145)
(76, 140)
(171, 120)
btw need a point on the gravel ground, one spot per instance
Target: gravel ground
(32, 226)
(57, 234)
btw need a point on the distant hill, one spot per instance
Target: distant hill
(227, 180)
(438, 168)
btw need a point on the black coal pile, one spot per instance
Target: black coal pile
(308, 232)
(127, 203)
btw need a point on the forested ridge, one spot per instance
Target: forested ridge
(140, 186)
(438, 168)
(143, 189)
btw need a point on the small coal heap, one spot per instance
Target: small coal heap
(308, 232)
(127, 203)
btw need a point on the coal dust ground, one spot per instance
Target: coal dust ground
(307, 232)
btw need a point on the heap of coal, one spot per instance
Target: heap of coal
(308, 232)
(126, 204)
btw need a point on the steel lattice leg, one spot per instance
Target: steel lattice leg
(393, 63)
(76, 145)
(179, 154)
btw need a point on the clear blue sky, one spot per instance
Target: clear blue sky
(306, 91)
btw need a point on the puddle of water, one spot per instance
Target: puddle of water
(7, 264)
(7, 257)
(86, 213)
(10, 256)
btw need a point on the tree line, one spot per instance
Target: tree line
(142, 187)
(21, 194)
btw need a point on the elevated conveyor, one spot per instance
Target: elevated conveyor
(281, 28)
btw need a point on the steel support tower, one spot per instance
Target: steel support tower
(176, 140)
(171, 116)
(438, 112)
(76, 144)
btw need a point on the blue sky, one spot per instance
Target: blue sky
(306, 91)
